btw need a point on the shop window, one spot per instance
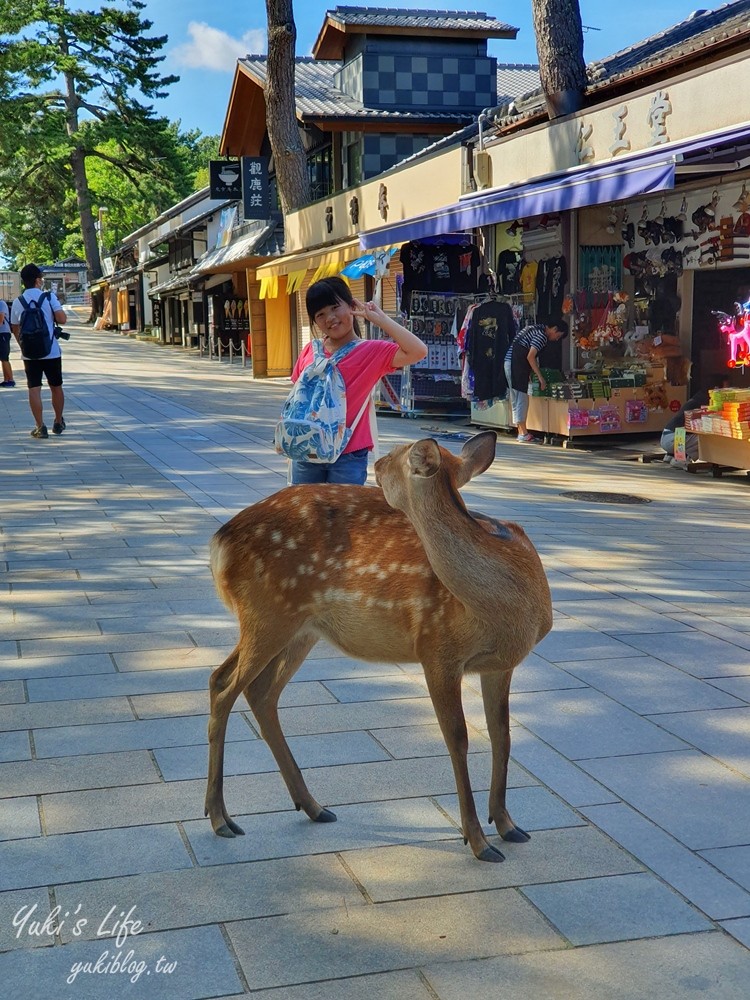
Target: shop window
(320, 172)
(354, 163)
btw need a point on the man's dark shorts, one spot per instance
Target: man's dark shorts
(4, 346)
(51, 368)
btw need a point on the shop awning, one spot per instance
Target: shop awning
(173, 284)
(628, 177)
(235, 253)
(592, 186)
(300, 263)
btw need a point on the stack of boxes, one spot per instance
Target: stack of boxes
(727, 414)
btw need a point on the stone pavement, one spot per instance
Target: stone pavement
(631, 739)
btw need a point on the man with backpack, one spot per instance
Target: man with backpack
(32, 319)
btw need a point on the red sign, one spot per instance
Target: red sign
(675, 405)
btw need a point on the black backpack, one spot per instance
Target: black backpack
(36, 340)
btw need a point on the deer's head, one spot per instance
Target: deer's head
(407, 472)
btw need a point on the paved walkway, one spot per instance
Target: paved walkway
(631, 751)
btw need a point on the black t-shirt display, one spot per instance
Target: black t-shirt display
(509, 264)
(550, 288)
(490, 333)
(438, 267)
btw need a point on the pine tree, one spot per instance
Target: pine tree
(289, 158)
(559, 45)
(72, 82)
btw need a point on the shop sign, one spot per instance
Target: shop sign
(225, 180)
(256, 203)
(679, 444)
(660, 107)
(621, 143)
(674, 405)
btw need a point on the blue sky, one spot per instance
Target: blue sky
(206, 39)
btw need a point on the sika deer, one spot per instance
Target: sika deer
(404, 574)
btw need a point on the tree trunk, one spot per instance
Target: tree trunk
(78, 168)
(559, 45)
(289, 155)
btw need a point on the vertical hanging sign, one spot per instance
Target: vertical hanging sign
(255, 198)
(224, 180)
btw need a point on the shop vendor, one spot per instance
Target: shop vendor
(521, 360)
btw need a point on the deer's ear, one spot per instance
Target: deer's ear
(425, 458)
(477, 455)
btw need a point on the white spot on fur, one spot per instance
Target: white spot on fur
(276, 537)
(290, 543)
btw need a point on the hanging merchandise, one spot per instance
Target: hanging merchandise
(448, 264)
(490, 330)
(552, 274)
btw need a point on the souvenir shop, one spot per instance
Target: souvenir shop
(599, 385)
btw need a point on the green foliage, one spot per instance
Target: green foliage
(79, 131)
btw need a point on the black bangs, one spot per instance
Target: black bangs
(326, 292)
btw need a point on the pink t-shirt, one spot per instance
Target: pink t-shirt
(361, 370)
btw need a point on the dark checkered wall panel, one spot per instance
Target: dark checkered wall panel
(430, 82)
(349, 78)
(382, 151)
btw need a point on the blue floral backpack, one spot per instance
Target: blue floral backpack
(313, 427)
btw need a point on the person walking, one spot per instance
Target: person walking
(333, 313)
(8, 380)
(521, 360)
(49, 366)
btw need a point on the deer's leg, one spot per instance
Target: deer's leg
(263, 697)
(224, 689)
(495, 693)
(445, 691)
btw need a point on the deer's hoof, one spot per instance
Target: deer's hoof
(229, 829)
(490, 853)
(324, 816)
(516, 836)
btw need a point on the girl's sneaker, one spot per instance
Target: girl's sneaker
(525, 438)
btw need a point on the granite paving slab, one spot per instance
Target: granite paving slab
(722, 733)
(43, 714)
(616, 616)
(55, 666)
(647, 685)
(398, 685)
(670, 968)
(572, 640)
(134, 682)
(12, 692)
(37, 777)
(15, 746)
(143, 734)
(434, 869)
(169, 659)
(407, 934)
(694, 652)
(104, 643)
(189, 964)
(151, 706)
(700, 802)
(19, 818)
(423, 741)
(292, 834)
(532, 808)
(15, 906)
(245, 757)
(584, 723)
(191, 896)
(594, 911)
(693, 878)
(734, 862)
(385, 986)
(739, 929)
(80, 856)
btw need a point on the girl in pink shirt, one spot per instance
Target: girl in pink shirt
(333, 315)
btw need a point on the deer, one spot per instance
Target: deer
(401, 572)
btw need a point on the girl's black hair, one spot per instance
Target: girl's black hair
(328, 292)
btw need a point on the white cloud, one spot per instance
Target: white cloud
(211, 48)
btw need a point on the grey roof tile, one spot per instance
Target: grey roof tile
(701, 28)
(318, 97)
(387, 17)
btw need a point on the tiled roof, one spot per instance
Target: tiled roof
(387, 17)
(515, 79)
(318, 97)
(701, 29)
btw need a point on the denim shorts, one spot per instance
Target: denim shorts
(351, 468)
